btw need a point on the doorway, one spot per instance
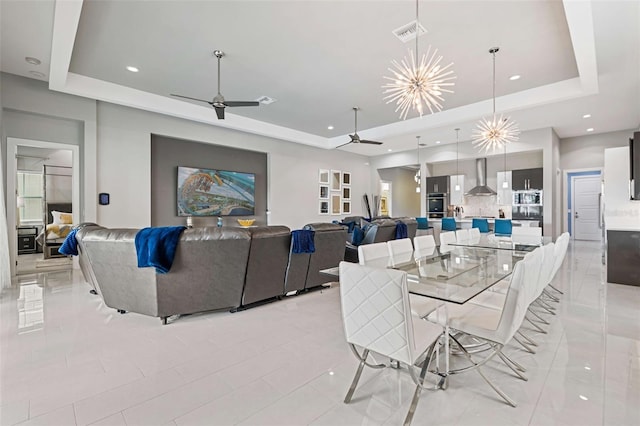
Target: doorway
(25, 168)
(386, 193)
(586, 207)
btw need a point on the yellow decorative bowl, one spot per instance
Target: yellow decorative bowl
(246, 222)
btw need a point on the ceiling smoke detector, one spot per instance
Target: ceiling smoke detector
(407, 32)
(265, 100)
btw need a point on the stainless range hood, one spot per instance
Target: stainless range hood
(481, 175)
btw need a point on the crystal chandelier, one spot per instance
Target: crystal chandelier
(495, 132)
(415, 82)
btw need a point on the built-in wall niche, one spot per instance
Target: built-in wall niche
(334, 192)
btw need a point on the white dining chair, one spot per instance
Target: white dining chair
(377, 318)
(474, 234)
(447, 238)
(526, 235)
(495, 326)
(424, 245)
(375, 254)
(462, 235)
(562, 243)
(400, 251)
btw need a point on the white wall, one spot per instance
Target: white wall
(586, 152)
(5, 259)
(32, 111)
(124, 139)
(619, 211)
(405, 200)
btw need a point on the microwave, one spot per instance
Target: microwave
(527, 198)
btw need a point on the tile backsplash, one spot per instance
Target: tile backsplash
(484, 206)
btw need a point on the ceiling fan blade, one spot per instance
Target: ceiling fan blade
(343, 144)
(241, 103)
(220, 113)
(370, 142)
(193, 99)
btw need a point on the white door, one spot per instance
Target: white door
(586, 208)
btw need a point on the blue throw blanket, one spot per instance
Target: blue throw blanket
(401, 231)
(157, 247)
(70, 244)
(302, 241)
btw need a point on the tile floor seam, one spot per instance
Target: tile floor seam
(540, 394)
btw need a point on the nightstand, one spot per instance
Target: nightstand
(27, 239)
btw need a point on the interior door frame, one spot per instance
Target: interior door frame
(389, 198)
(12, 173)
(568, 176)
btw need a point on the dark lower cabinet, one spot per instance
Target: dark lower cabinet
(623, 257)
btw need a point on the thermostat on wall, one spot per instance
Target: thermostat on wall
(103, 199)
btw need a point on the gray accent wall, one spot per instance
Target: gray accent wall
(168, 153)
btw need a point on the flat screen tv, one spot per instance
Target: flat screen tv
(206, 192)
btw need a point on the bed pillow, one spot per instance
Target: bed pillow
(61, 218)
(66, 218)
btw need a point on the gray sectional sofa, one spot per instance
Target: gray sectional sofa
(214, 269)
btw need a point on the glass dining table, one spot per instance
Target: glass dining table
(524, 243)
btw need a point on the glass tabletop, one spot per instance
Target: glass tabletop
(460, 274)
(524, 243)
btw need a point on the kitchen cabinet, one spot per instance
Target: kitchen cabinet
(456, 198)
(438, 184)
(526, 179)
(505, 195)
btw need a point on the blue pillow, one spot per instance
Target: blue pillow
(357, 236)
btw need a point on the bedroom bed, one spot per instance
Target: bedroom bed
(59, 223)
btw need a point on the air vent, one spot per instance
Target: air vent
(265, 100)
(407, 32)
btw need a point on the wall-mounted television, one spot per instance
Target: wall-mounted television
(207, 192)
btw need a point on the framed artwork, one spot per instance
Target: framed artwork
(323, 177)
(383, 206)
(346, 207)
(346, 193)
(323, 207)
(324, 192)
(336, 207)
(346, 178)
(336, 179)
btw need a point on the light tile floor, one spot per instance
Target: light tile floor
(66, 359)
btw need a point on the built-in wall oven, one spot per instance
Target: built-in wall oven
(437, 205)
(527, 205)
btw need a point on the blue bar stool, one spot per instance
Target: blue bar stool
(448, 224)
(481, 224)
(503, 227)
(423, 222)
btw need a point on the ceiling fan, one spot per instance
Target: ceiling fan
(354, 137)
(218, 101)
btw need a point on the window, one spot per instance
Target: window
(30, 196)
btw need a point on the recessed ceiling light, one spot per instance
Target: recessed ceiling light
(587, 368)
(514, 77)
(437, 141)
(132, 69)
(32, 60)
(389, 150)
(584, 398)
(36, 74)
(330, 127)
(586, 116)
(590, 129)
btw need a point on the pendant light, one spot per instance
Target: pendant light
(505, 183)
(415, 82)
(495, 132)
(418, 177)
(457, 187)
